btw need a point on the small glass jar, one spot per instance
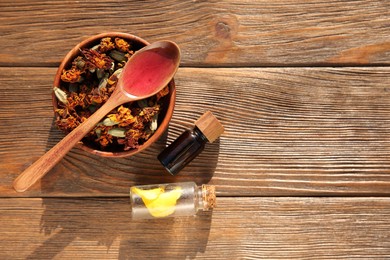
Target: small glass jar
(171, 200)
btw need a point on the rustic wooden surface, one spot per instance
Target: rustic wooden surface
(302, 171)
(240, 228)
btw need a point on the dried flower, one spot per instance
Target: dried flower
(163, 92)
(62, 112)
(97, 60)
(73, 75)
(106, 44)
(68, 124)
(122, 45)
(147, 113)
(132, 139)
(105, 139)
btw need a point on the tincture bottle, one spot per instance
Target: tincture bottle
(171, 200)
(190, 143)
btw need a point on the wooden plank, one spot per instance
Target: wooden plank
(289, 131)
(210, 33)
(250, 228)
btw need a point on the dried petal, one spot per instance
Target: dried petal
(117, 132)
(100, 73)
(61, 95)
(79, 63)
(153, 124)
(109, 122)
(98, 132)
(96, 47)
(102, 84)
(117, 55)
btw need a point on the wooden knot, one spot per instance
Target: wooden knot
(225, 27)
(222, 30)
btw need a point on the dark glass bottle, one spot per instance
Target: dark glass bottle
(190, 143)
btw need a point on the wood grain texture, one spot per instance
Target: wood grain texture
(294, 126)
(210, 33)
(239, 228)
(288, 131)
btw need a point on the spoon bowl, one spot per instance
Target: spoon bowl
(139, 79)
(154, 65)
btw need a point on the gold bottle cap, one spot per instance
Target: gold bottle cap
(209, 197)
(209, 125)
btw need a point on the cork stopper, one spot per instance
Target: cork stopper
(209, 125)
(208, 196)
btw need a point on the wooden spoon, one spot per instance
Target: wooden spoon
(148, 71)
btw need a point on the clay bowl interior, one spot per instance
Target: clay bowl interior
(168, 101)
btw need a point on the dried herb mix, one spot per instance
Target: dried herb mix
(87, 85)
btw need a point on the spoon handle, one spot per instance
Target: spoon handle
(44, 164)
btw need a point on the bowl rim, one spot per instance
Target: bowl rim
(170, 106)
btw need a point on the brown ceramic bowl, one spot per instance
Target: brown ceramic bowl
(167, 106)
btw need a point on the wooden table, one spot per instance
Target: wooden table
(302, 170)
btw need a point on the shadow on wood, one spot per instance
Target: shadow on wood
(86, 174)
(108, 222)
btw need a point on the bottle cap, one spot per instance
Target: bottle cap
(209, 125)
(208, 196)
